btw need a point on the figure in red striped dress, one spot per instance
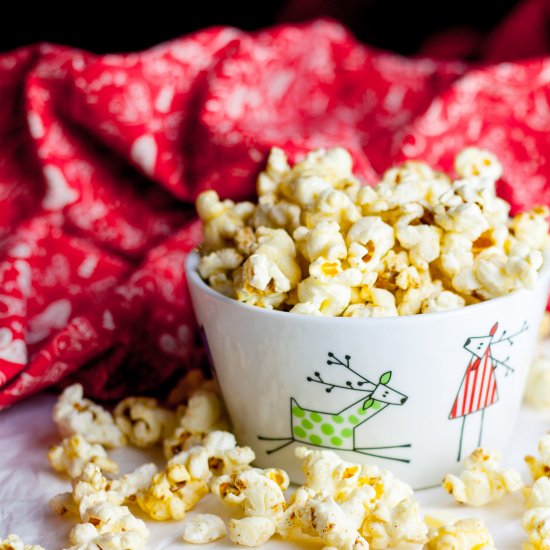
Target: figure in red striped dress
(479, 388)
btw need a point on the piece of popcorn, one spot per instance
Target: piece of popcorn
(540, 467)
(143, 421)
(323, 240)
(380, 303)
(204, 413)
(443, 301)
(86, 536)
(251, 531)
(221, 219)
(326, 471)
(411, 300)
(110, 518)
(272, 212)
(193, 381)
(332, 205)
(130, 484)
(537, 390)
(464, 534)
(276, 168)
(422, 241)
(260, 282)
(483, 479)
(387, 527)
(536, 523)
(455, 216)
(477, 162)
(456, 253)
(172, 493)
(75, 452)
(322, 517)
(202, 528)
(368, 240)
(538, 495)
(330, 296)
(217, 268)
(74, 414)
(63, 504)
(13, 542)
(531, 228)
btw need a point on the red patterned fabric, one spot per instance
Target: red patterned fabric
(101, 158)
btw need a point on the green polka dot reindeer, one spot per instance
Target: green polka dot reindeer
(336, 430)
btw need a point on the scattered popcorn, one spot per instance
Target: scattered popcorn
(193, 381)
(75, 414)
(171, 493)
(538, 496)
(143, 421)
(483, 480)
(540, 467)
(537, 390)
(317, 243)
(536, 523)
(13, 542)
(464, 534)
(204, 414)
(75, 452)
(321, 516)
(203, 528)
(251, 531)
(387, 527)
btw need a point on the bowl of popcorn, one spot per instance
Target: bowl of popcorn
(391, 324)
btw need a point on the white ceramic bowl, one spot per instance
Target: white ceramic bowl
(413, 394)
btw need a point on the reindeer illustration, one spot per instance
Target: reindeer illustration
(336, 430)
(478, 389)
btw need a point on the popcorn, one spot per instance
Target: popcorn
(203, 528)
(464, 534)
(477, 162)
(75, 452)
(321, 516)
(109, 528)
(434, 243)
(326, 471)
(13, 542)
(369, 239)
(221, 219)
(204, 413)
(540, 467)
(74, 414)
(251, 531)
(381, 303)
(388, 526)
(142, 421)
(483, 480)
(422, 241)
(443, 301)
(536, 523)
(172, 493)
(538, 496)
(537, 391)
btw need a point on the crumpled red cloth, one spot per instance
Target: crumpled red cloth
(101, 158)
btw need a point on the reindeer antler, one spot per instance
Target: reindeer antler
(337, 361)
(331, 386)
(510, 337)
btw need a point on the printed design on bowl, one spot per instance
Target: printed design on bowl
(337, 430)
(478, 389)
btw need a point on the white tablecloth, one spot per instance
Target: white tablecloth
(27, 482)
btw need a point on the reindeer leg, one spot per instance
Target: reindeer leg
(405, 460)
(461, 436)
(288, 441)
(481, 428)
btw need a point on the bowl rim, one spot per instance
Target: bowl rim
(191, 268)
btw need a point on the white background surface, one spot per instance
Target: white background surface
(27, 482)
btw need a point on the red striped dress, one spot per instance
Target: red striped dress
(478, 389)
